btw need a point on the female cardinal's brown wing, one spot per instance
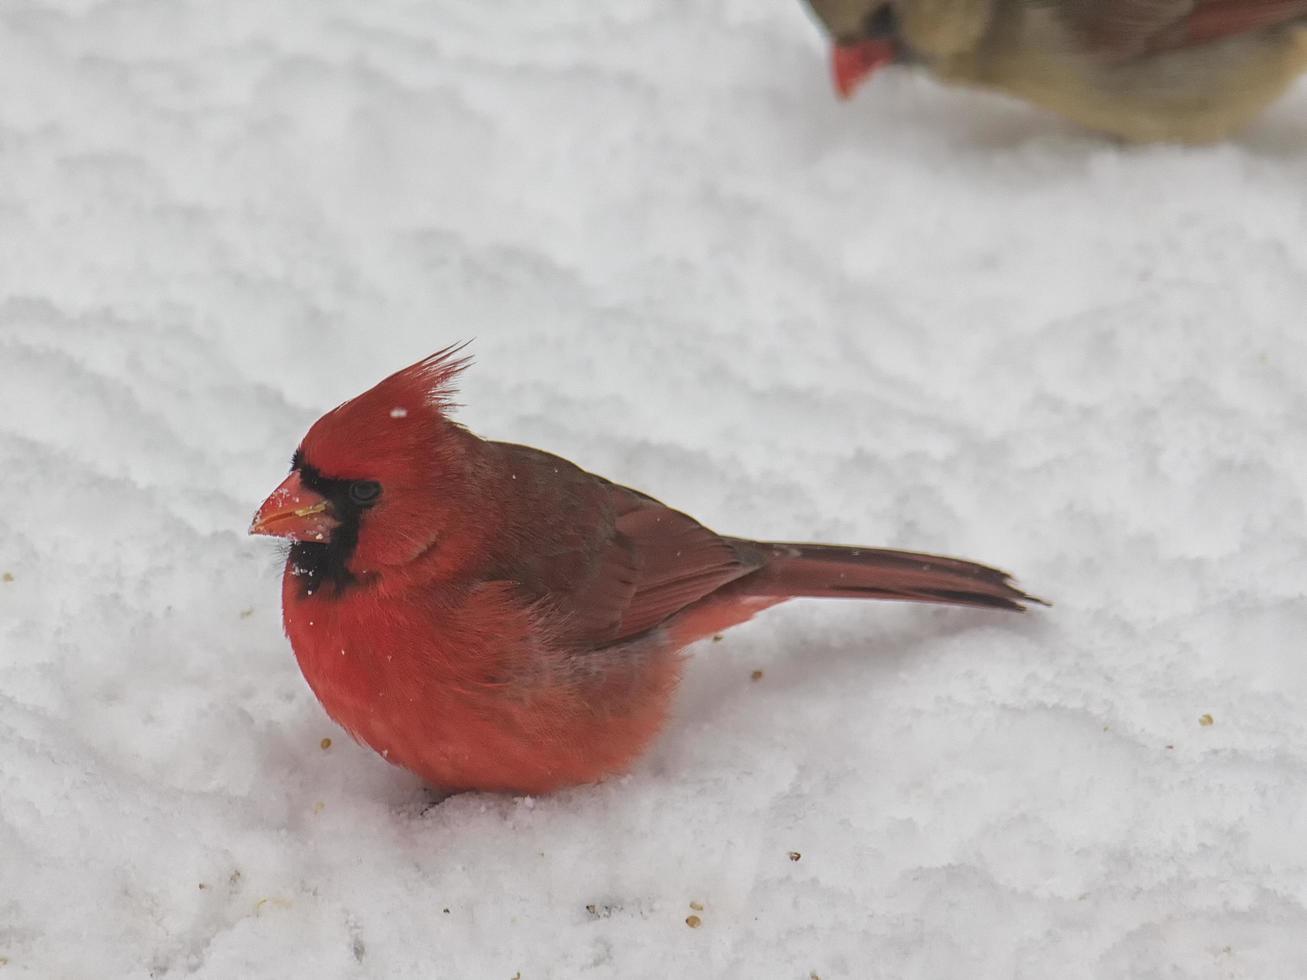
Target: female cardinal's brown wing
(1122, 29)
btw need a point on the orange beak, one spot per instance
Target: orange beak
(852, 63)
(296, 512)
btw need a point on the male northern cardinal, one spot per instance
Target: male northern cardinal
(1179, 70)
(493, 617)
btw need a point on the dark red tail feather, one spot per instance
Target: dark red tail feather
(837, 571)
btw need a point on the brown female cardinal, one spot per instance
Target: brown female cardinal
(1177, 70)
(493, 617)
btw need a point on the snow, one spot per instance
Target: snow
(928, 319)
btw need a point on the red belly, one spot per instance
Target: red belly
(422, 687)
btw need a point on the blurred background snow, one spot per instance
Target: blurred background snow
(928, 319)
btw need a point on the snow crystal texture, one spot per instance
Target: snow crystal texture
(928, 319)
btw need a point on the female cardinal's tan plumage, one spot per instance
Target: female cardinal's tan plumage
(1173, 70)
(493, 617)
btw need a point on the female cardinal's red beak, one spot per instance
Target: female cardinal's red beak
(296, 512)
(852, 63)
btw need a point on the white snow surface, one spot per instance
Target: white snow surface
(928, 319)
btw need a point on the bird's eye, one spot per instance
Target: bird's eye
(364, 491)
(882, 23)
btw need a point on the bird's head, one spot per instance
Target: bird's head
(870, 34)
(377, 481)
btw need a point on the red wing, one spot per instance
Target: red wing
(605, 561)
(1122, 29)
(676, 561)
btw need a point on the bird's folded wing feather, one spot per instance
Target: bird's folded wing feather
(672, 560)
(1122, 29)
(605, 562)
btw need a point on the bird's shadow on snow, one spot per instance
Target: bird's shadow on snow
(1277, 136)
(963, 120)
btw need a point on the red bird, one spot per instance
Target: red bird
(492, 617)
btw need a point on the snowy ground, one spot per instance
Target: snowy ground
(929, 319)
